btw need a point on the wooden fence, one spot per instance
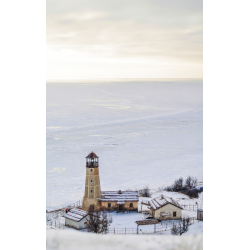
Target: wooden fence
(167, 226)
(161, 227)
(55, 224)
(190, 207)
(53, 216)
(122, 231)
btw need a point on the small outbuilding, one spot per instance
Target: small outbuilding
(76, 218)
(165, 208)
(200, 214)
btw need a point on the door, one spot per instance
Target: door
(120, 207)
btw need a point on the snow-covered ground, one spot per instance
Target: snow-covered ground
(196, 228)
(146, 132)
(74, 240)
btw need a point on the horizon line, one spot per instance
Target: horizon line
(84, 79)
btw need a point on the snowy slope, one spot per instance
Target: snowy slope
(73, 240)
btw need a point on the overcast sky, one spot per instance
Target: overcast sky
(124, 39)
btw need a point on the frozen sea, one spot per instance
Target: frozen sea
(145, 132)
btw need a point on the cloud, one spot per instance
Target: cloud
(158, 30)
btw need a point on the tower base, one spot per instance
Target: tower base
(87, 202)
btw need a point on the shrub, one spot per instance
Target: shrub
(191, 193)
(182, 227)
(144, 192)
(178, 185)
(175, 230)
(169, 188)
(191, 182)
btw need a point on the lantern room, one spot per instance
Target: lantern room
(92, 160)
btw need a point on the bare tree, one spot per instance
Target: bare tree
(144, 192)
(175, 230)
(191, 182)
(185, 223)
(99, 221)
(178, 185)
(182, 227)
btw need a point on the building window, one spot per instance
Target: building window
(91, 181)
(91, 191)
(131, 205)
(91, 170)
(109, 204)
(174, 214)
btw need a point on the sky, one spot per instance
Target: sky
(124, 39)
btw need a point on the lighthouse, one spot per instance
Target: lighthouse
(92, 192)
(94, 199)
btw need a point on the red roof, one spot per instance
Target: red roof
(92, 155)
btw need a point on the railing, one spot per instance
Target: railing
(51, 215)
(92, 164)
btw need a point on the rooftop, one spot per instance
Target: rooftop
(161, 201)
(119, 196)
(76, 214)
(147, 222)
(92, 155)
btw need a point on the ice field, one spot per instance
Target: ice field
(145, 132)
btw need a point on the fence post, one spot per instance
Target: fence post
(114, 230)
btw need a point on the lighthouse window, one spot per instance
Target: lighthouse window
(91, 181)
(91, 191)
